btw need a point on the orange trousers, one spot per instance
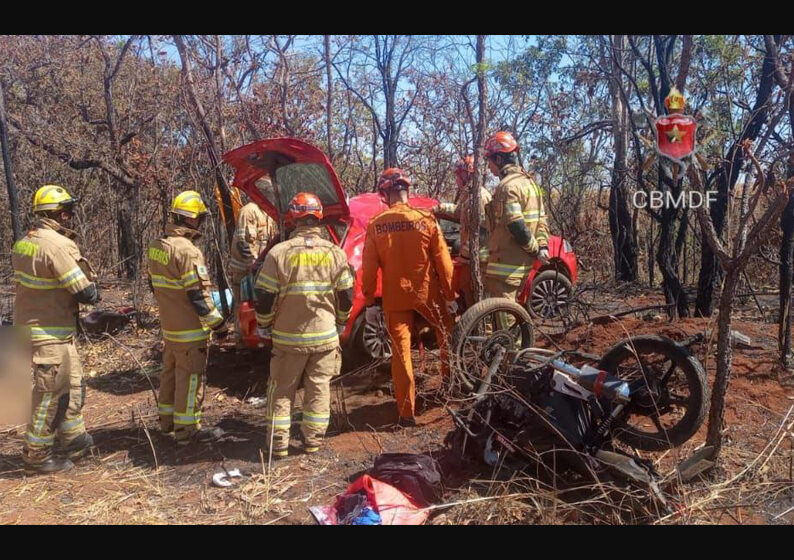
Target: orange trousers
(400, 325)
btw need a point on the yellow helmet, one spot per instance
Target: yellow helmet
(52, 197)
(190, 204)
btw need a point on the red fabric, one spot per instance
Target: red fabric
(394, 507)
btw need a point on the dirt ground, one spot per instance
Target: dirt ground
(136, 474)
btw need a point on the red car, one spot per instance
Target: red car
(294, 166)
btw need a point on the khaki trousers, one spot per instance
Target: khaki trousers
(182, 388)
(497, 287)
(236, 279)
(287, 369)
(58, 397)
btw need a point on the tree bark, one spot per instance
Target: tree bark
(624, 245)
(786, 273)
(13, 193)
(474, 196)
(709, 277)
(329, 96)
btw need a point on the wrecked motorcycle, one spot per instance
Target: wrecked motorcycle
(523, 407)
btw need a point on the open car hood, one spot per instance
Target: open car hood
(293, 166)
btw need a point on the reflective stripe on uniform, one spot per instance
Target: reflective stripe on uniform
(267, 283)
(72, 277)
(165, 409)
(190, 278)
(186, 336)
(345, 281)
(187, 419)
(36, 282)
(40, 441)
(342, 316)
(187, 280)
(304, 339)
(308, 288)
(506, 270)
(279, 421)
(265, 319)
(76, 424)
(212, 319)
(51, 333)
(513, 212)
(315, 418)
(532, 217)
(41, 414)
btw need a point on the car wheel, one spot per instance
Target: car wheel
(550, 295)
(372, 338)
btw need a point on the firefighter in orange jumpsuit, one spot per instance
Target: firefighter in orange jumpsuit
(459, 212)
(407, 245)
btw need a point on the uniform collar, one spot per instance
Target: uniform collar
(509, 170)
(49, 223)
(307, 231)
(397, 205)
(181, 231)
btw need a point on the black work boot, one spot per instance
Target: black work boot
(406, 422)
(79, 446)
(204, 435)
(51, 465)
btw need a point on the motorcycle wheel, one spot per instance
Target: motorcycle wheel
(673, 389)
(477, 330)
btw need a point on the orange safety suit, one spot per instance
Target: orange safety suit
(406, 244)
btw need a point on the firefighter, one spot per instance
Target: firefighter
(459, 212)
(518, 233)
(52, 280)
(181, 284)
(254, 231)
(304, 294)
(407, 245)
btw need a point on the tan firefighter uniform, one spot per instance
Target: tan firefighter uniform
(254, 231)
(187, 314)
(306, 274)
(517, 197)
(49, 271)
(460, 211)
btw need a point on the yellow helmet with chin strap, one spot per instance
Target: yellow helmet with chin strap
(189, 204)
(52, 197)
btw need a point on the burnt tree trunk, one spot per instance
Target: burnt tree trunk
(474, 196)
(710, 272)
(724, 361)
(786, 256)
(666, 255)
(624, 245)
(13, 194)
(128, 238)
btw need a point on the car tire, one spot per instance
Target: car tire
(550, 294)
(372, 341)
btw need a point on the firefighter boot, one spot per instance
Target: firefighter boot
(51, 465)
(79, 446)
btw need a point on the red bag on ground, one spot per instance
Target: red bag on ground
(394, 507)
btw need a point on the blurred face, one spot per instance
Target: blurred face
(493, 167)
(461, 178)
(195, 223)
(66, 217)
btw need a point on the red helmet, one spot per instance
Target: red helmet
(465, 165)
(501, 142)
(393, 179)
(304, 204)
